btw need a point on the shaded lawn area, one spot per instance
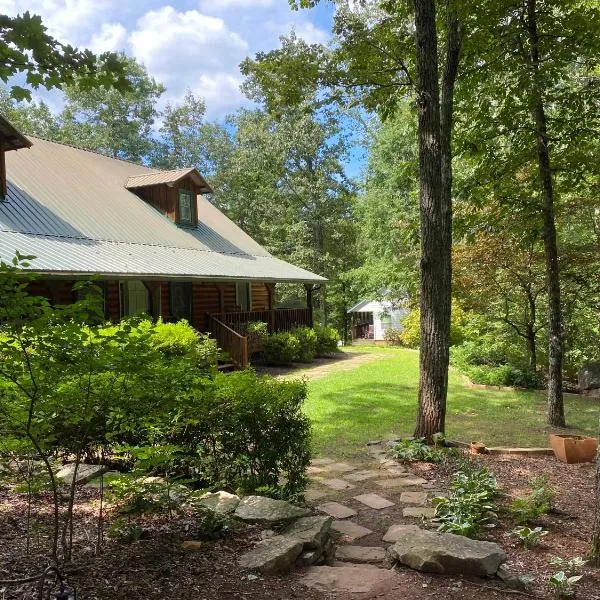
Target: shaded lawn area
(378, 400)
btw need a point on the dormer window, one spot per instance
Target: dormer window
(186, 207)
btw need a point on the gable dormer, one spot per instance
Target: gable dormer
(10, 139)
(174, 193)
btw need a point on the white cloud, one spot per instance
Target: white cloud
(214, 6)
(189, 49)
(111, 38)
(311, 33)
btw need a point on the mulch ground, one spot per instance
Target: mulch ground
(156, 567)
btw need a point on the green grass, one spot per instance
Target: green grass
(378, 400)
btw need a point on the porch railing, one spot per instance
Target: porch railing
(279, 319)
(229, 340)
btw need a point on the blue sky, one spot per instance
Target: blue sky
(196, 44)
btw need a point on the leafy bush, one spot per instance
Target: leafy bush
(246, 431)
(307, 344)
(327, 340)
(411, 332)
(529, 537)
(258, 328)
(469, 505)
(482, 365)
(529, 508)
(393, 336)
(280, 348)
(571, 566)
(418, 450)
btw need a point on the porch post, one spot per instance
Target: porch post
(309, 302)
(271, 292)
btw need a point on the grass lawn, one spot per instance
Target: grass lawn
(378, 400)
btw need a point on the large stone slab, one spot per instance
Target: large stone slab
(319, 462)
(361, 475)
(84, 473)
(273, 555)
(336, 510)
(259, 509)
(374, 501)
(350, 531)
(418, 512)
(340, 467)
(311, 531)
(360, 554)
(417, 498)
(352, 582)
(222, 503)
(435, 552)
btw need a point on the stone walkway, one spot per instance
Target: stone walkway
(325, 366)
(369, 501)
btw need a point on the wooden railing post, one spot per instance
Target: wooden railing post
(309, 302)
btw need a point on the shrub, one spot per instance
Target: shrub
(529, 537)
(247, 432)
(327, 340)
(258, 328)
(280, 348)
(529, 508)
(469, 505)
(307, 344)
(393, 336)
(417, 450)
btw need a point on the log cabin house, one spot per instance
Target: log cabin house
(156, 243)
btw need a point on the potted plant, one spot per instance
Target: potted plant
(574, 448)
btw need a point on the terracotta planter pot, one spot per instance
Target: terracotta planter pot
(477, 448)
(574, 448)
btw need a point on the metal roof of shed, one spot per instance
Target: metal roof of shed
(69, 208)
(168, 178)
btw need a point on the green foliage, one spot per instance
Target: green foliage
(307, 344)
(280, 348)
(416, 449)
(469, 505)
(563, 585)
(327, 340)
(486, 365)
(258, 328)
(393, 336)
(529, 508)
(529, 537)
(571, 566)
(27, 48)
(410, 335)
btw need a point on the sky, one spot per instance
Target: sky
(195, 44)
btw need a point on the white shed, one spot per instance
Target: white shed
(371, 318)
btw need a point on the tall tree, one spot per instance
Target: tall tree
(113, 122)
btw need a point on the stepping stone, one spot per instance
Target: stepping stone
(418, 512)
(260, 509)
(401, 483)
(435, 552)
(361, 475)
(418, 498)
(337, 484)
(397, 532)
(340, 467)
(319, 462)
(399, 470)
(360, 582)
(349, 530)
(388, 463)
(314, 470)
(312, 495)
(311, 531)
(337, 510)
(374, 501)
(360, 554)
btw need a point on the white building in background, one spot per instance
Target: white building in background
(372, 318)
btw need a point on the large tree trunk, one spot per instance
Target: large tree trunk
(435, 232)
(556, 411)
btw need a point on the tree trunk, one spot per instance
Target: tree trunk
(530, 331)
(556, 411)
(435, 265)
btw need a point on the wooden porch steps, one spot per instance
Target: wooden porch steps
(227, 367)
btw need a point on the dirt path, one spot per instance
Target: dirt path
(321, 367)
